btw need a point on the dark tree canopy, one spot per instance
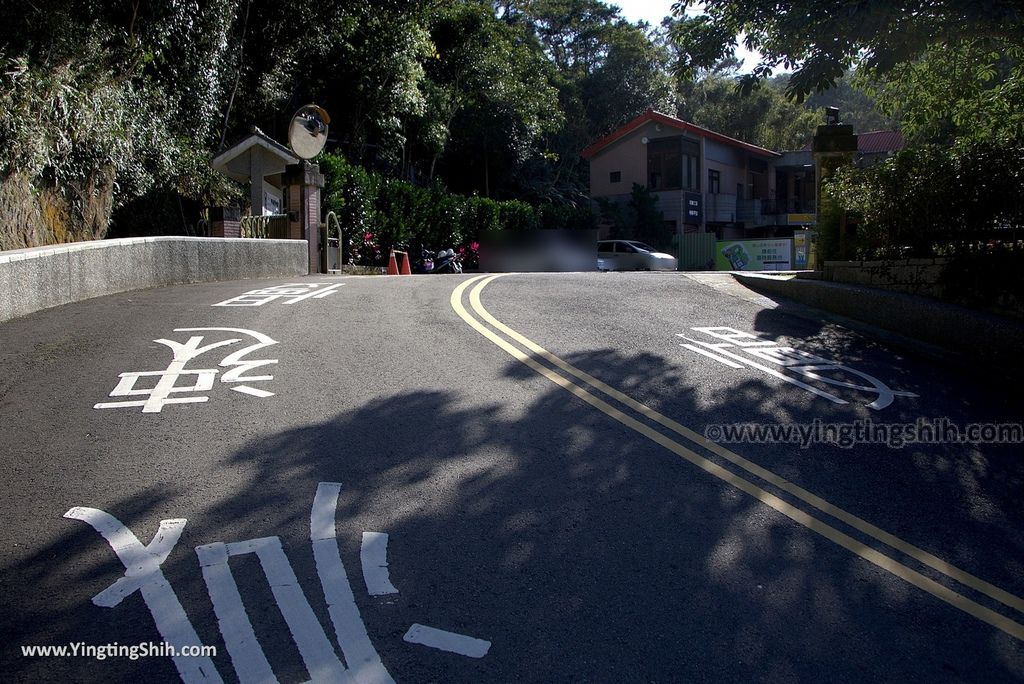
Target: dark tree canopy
(105, 106)
(821, 41)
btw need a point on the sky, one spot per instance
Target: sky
(653, 11)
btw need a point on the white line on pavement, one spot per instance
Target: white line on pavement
(374, 556)
(143, 573)
(360, 654)
(447, 641)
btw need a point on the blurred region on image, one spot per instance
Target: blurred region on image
(539, 250)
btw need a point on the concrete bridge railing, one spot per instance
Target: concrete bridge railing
(42, 277)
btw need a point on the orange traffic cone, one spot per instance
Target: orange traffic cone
(406, 270)
(392, 265)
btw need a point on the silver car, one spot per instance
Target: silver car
(629, 255)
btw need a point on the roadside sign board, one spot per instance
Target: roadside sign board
(693, 208)
(753, 255)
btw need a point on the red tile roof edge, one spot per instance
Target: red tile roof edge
(874, 142)
(679, 124)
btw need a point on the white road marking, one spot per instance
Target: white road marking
(247, 656)
(791, 359)
(373, 553)
(447, 641)
(168, 378)
(771, 371)
(359, 652)
(136, 404)
(204, 379)
(735, 337)
(143, 573)
(886, 395)
(317, 652)
(245, 389)
(297, 291)
(235, 359)
(251, 663)
(317, 294)
(716, 357)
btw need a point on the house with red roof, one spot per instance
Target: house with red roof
(709, 182)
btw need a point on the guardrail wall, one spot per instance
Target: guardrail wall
(39, 278)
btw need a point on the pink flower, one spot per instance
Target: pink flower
(367, 236)
(474, 246)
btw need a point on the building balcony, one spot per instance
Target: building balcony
(723, 208)
(720, 208)
(787, 206)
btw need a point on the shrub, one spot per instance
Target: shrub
(351, 193)
(928, 199)
(444, 222)
(987, 276)
(90, 139)
(516, 215)
(378, 213)
(482, 215)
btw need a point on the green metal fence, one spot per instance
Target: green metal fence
(697, 252)
(272, 226)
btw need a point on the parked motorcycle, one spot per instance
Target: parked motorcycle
(445, 261)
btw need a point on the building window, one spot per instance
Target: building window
(664, 164)
(714, 181)
(615, 177)
(758, 186)
(673, 164)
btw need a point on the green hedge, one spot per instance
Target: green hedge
(931, 200)
(987, 276)
(378, 213)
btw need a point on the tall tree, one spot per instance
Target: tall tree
(572, 31)
(820, 41)
(361, 61)
(971, 90)
(613, 71)
(490, 102)
(631, 78)
(101, 103)
(763, 115)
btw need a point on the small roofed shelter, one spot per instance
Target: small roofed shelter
(261, 160)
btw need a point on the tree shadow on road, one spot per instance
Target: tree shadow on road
(580, 548)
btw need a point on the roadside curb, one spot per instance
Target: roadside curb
(945, 331)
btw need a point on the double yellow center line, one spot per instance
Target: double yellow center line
(531, 354)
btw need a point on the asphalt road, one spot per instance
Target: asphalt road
(534, 447)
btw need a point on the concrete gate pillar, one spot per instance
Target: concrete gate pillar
(224, 222)
(833, 146)
(302, 184)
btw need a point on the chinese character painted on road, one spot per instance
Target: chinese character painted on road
(143, 573)
(737, 349)
(163, 387)
(294, 292)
